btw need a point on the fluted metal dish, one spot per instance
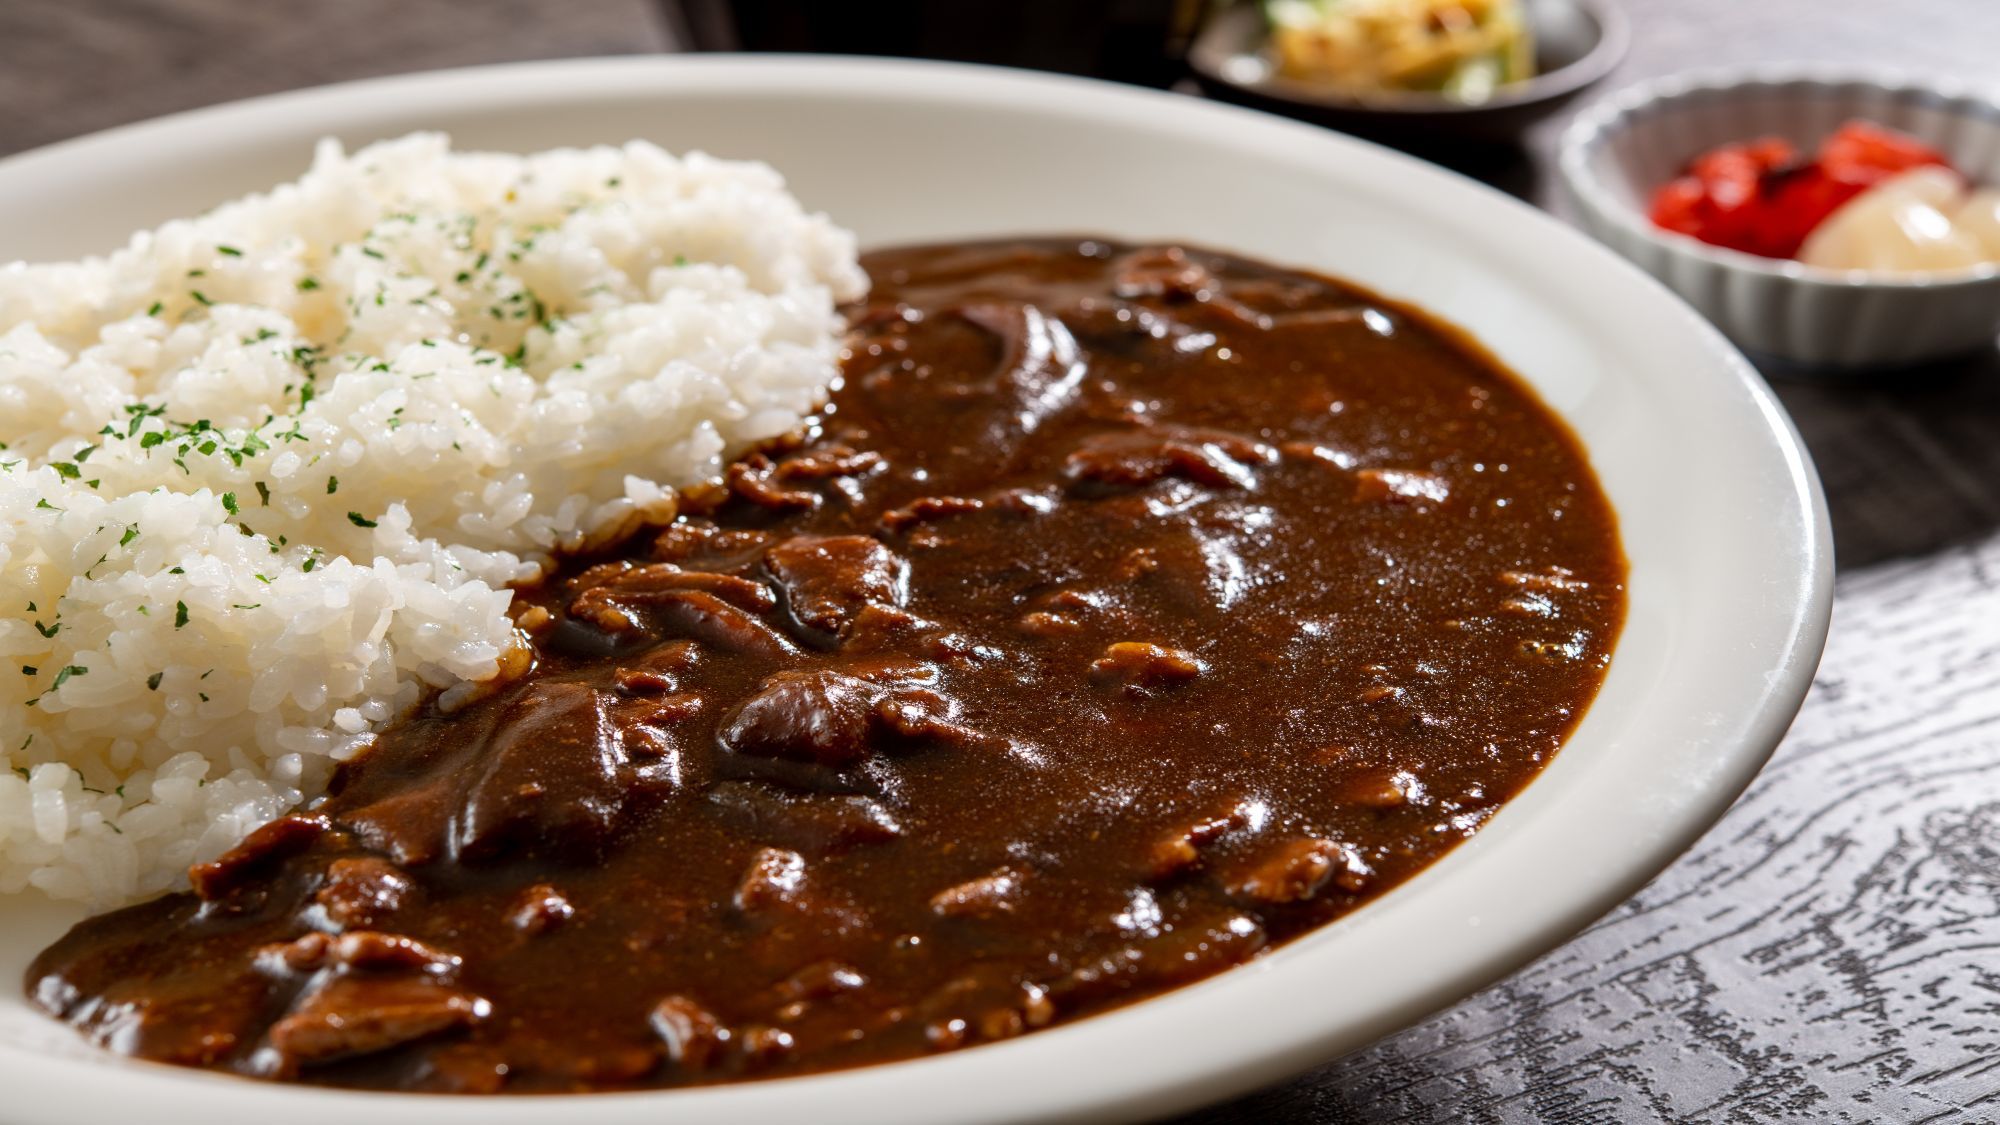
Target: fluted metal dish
(1577, 43)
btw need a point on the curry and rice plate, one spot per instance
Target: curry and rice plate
(631, 657)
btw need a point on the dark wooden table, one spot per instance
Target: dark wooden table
(1829, 952)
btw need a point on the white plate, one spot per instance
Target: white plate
(1720, 511)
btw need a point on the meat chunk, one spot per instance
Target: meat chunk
(1040, 370)
(1144, 665)
(360, 950)
(1299, 870)
(259, 853)
(694, 1038)
(755, 479)
(643, 681)
(828, 579)
(1024, 502)
(539, 909)
(651, 725)
(763, 1045)
(1167, 274)
(1165, 271)
(1117, 462)
(549, 779)
(704, 617)
(984, 897)
(682, 539)
(929, 509)
(621, 598)
(303, 954)
(1180, 850)
(360, 1015)
(831, 461)
(1318, 454)
(775, 878)
(1196, 947)
(1192, 951)
(659, 670)
(362, 892)
(913, 714)
(834, 720)
(818, 981)
(374, 951)
(639, 585)
(877, 627)
(1400, 486)
(1042, 623)
(821, 717)
(752, 597)
(1025, 1005)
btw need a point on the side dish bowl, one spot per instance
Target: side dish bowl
(1577, 43)
(1730, 553)
(1618, 152)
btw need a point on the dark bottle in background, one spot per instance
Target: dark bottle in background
(1136, 41)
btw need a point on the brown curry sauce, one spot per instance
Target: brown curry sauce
(1127, 612)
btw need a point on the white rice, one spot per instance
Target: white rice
(268, 471)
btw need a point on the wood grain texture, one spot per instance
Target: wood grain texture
(1830, 952)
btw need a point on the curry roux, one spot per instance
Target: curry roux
(1128, 611)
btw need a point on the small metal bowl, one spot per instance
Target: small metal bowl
(1808, 320)
(1577, 42)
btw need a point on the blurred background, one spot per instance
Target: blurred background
(1685, 1004)
(69, 67)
